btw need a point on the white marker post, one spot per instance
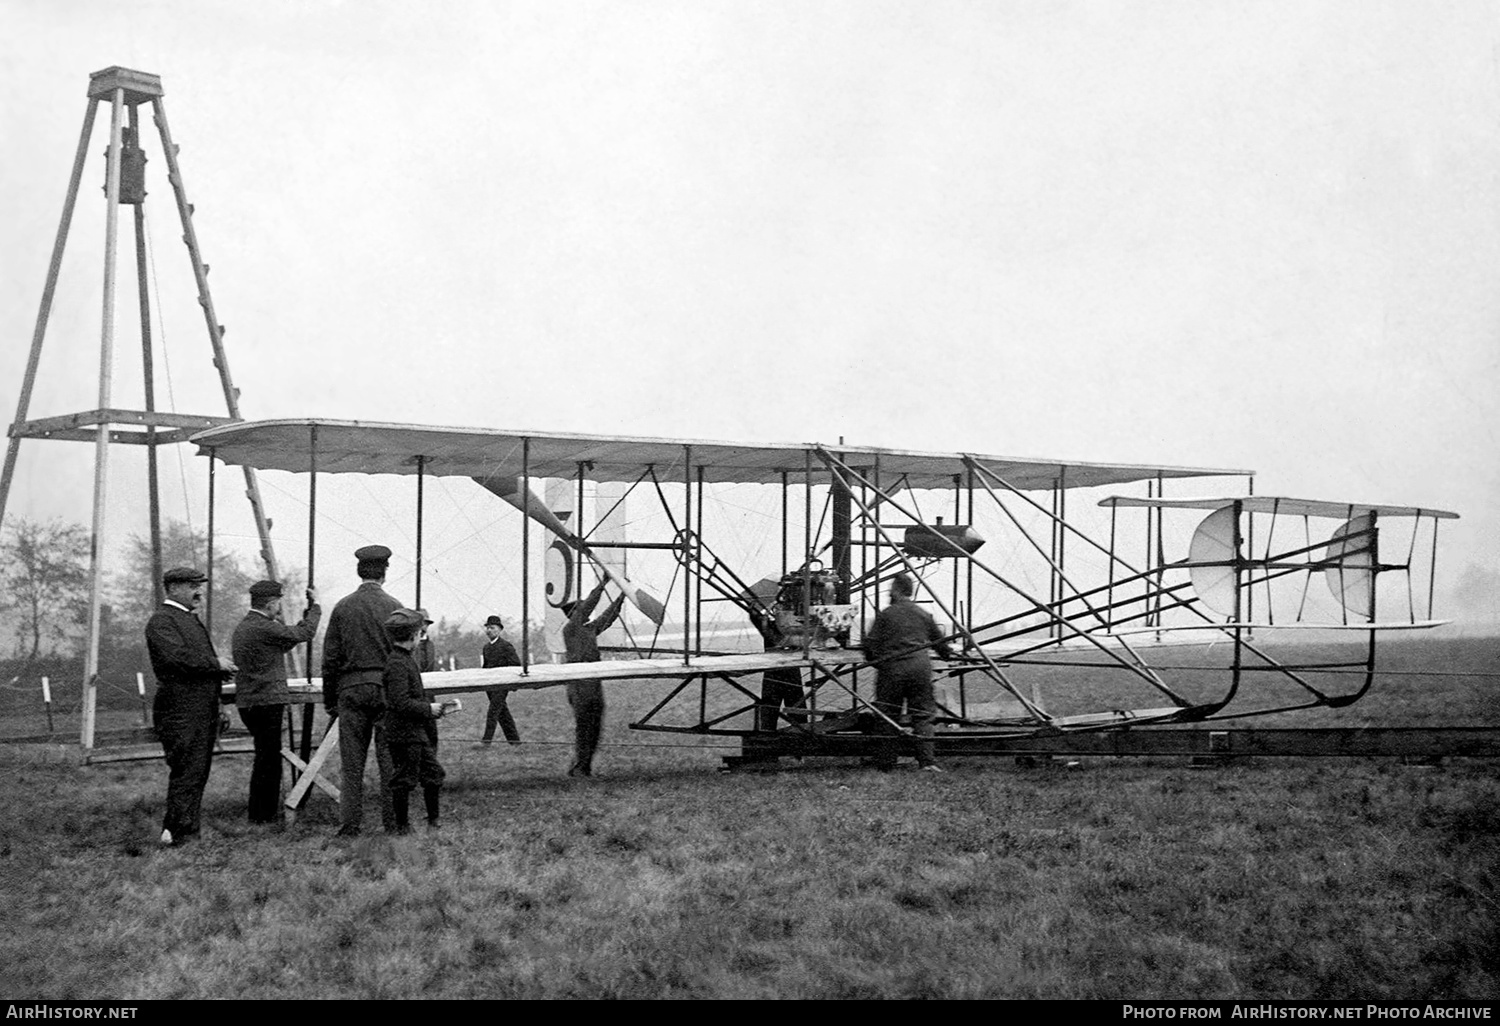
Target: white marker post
(140, 687)
(47, 701)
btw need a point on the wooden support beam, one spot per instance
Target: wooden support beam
(1315, 742)
(45, 427)
(312, 768)
(302, 769)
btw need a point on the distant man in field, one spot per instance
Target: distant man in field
(498, 652)
(581, 640)
(411, 721)
(896, 645)
(426, 651)
(355, 651)
(261, 642)
(189, 677)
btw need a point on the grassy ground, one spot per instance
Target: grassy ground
(1270, 879)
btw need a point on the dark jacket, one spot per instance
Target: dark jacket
(181, 651)
(355, 647)
(408, 710)
(260, 645)
(903, 631)
(499, 653)
(581, 637)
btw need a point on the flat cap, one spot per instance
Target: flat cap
(495, 620)
(183, 575)
(265, 590)
(404, 619)
(373, 554)
(425, 617)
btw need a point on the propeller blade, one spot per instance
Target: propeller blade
(509, 489)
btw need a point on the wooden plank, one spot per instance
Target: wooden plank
(1361, 742)
(303, 768)
(314, 768)
(551, 675)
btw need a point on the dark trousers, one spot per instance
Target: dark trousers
(415, 762)
(361, 709)
(187, 722)
(779, 688)
(587, 699)
(264, 723)
(499, 713)
(908, 682)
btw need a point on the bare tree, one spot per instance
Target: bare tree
(135, 591)
(44, 583)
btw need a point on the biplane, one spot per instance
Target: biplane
(1057, 590)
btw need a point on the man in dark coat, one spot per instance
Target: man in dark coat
(581, 640)
(261, 642)
(189, 677)
(896, 645)
(355, 650)
(779, 687)
(411, 722)
(498, 652)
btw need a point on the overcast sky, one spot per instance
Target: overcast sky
(1256, 235)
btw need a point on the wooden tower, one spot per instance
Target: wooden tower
(125, 92)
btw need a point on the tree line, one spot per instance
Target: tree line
(44, 599)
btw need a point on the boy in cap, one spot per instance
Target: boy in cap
(189, 675)
(354, 656)
(411, 722)
(498, 652)
(261, 642)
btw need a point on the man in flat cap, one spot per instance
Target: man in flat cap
(261, 642)
(189, 676)
(581, 639)
(498, 652)
(355, 650)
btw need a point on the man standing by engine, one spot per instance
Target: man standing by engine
(896, 645)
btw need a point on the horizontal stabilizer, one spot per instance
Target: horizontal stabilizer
(1274, 504)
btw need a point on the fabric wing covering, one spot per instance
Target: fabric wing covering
(1278, 505)
(361, 447)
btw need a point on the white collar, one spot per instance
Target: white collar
(174, 602)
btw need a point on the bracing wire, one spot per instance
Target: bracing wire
(166, 359)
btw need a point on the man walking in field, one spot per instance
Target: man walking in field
(355, 650)
(189, 677)
(896, 645)
(498, 652)
(261, 642)
(581, 640)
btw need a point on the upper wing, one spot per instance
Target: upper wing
(342, 446)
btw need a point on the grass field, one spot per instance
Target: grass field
(1299, 878)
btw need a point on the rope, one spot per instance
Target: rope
(166, 360)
